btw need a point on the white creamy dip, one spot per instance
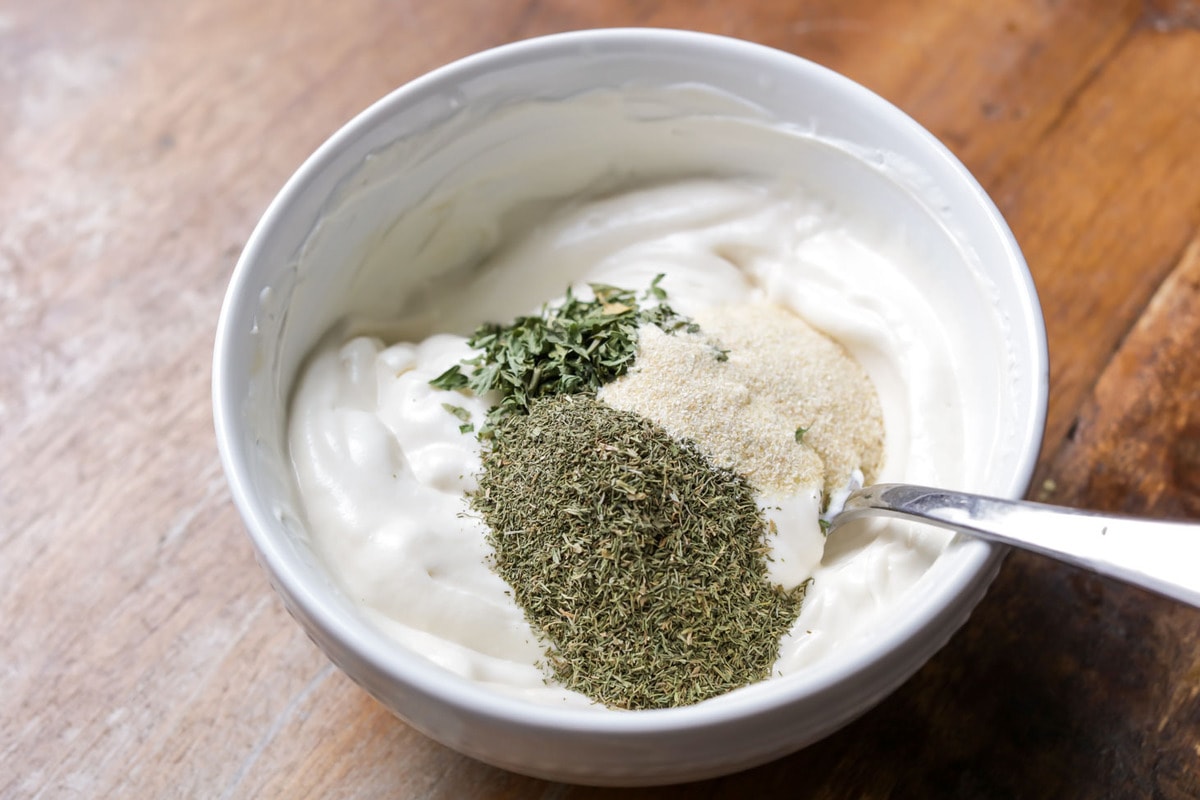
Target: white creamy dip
(382, 467)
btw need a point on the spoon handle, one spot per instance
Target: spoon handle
(1163, 557)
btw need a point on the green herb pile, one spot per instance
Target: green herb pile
(577, 346)
(642, 564)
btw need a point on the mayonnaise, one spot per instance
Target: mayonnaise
(382, 467)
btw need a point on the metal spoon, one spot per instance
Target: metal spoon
(1163, 557)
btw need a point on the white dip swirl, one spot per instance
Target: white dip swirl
(382, 467)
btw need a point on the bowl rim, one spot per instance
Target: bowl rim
(980, 560)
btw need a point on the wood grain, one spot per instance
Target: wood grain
(143, 653)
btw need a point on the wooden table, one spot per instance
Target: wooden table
(143, 653)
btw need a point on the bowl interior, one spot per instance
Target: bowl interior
(401, 205)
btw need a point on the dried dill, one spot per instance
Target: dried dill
(642, 564)
(576, 346)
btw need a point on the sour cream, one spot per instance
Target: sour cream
(382, 466)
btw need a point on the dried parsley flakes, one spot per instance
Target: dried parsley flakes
(642, 564)
(576, 346)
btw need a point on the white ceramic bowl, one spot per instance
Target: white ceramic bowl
(335, 242)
